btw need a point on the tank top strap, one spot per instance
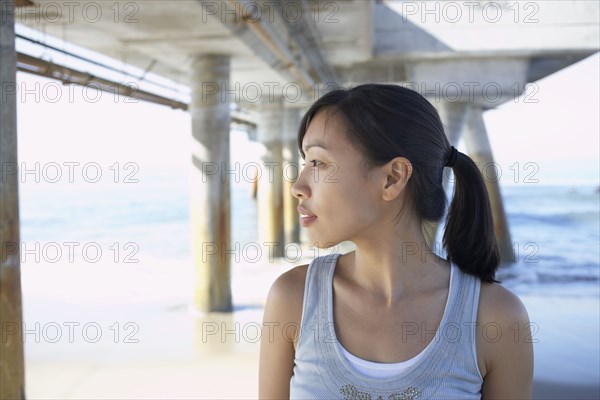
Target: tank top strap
(314, 290)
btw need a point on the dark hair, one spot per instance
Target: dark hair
(387, 121)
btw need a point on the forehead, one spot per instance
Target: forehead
(325, 130)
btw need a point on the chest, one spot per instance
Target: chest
(377, 333)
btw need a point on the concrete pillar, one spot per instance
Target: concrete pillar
(479, 149)
(291, 169)
(210, 209)
(12, 365)
(270, 182)
(453, 116)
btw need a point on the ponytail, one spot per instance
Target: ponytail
(469, 237)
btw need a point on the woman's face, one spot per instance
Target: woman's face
(333, 187)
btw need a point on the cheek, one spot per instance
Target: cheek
(352, 203)
(347, 208)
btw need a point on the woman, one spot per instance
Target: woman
(391, 320)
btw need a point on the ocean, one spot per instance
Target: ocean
(555, 230)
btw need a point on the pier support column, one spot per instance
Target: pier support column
(291, 170)
(479, 149)
(12, 364)
(453, 115)
(270, 182)
(210, 210)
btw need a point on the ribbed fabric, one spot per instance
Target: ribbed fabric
(446, 369)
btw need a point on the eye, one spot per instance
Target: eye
(316, 162)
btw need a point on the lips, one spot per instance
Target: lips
(304, 212)
(306, 217)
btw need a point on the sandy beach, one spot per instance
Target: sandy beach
(139, 338)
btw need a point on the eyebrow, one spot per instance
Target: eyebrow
(316, 144)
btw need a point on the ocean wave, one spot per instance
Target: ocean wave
(556, 219)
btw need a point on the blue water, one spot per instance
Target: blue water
(555, 230)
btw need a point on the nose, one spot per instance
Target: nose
(300, 189)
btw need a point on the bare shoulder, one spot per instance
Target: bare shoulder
(506, 347)
(499, 304)
(286, 297)
(283, 310)
(502, 314)
(289, 286)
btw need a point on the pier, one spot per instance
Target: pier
(258, 65)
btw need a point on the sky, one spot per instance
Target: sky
(560, 133)
(552, 141)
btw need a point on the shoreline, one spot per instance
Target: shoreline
(547, 390)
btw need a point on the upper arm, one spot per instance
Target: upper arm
(281, 321)
(508, 345)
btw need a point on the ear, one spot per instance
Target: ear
(397, 171)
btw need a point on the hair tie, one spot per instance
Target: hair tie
(453, 156)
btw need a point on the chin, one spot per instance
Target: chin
(321, 243)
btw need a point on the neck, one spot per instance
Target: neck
(394, 263)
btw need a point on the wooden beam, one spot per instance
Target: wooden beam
(69, 76)
(12, 364)
(23, 3)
